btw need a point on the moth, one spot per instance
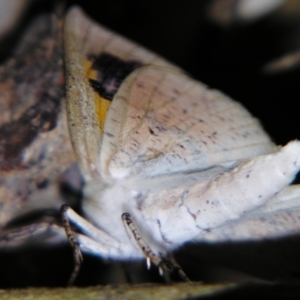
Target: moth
(166, 160)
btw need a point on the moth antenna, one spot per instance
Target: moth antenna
(73, 241)
(165, 266)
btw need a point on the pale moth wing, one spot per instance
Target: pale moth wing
(186, 162)
(84, 41)
(279, 217)
(156, 123)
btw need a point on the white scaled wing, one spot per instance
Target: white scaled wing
(280, 217)
(169, 123)
(158, 120)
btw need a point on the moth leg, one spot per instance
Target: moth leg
(165, 265)
(33, 233)
(97, 242)
(74, 243)
(173, 266)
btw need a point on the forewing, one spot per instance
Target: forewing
(132, 113)
(97, 61)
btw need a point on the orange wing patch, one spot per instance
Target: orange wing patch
(105, 74)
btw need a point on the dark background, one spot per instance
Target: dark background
(229, 58)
